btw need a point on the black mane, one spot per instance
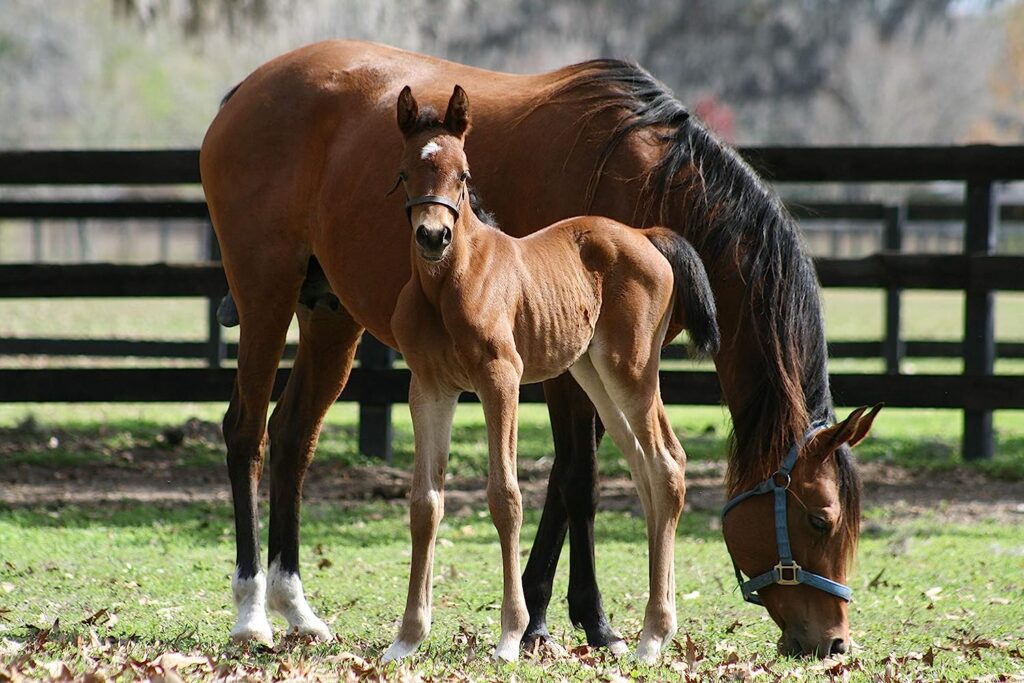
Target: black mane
(731, 216)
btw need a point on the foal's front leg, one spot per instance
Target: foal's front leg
(499, 394)
(433, 409)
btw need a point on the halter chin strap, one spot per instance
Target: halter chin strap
(436, 199)
(787, 572)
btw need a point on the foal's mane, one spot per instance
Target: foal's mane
(733, 219)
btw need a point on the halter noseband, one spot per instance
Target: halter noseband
(436, 199)
(787, 572)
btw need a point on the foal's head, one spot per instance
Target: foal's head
(823, 519)
(434, 170)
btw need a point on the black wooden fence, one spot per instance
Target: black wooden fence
(977, 271)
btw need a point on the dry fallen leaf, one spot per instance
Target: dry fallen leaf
(176, 660)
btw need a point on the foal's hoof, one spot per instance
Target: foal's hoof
(398, 650)
(618, 647)
(506, 652)
(649, 649)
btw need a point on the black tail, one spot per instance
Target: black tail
(694, 299)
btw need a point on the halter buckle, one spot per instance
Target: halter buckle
(781, 479)
(792, 579)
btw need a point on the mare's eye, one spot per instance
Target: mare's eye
(820, 524)
(465, 176)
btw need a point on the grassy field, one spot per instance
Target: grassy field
(127, 590)
(129, 584)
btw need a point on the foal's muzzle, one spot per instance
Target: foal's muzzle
(433, 241)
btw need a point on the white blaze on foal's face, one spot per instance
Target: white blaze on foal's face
(429, 150)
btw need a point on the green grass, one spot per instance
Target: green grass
(165, 573)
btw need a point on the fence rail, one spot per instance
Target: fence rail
(375, 384)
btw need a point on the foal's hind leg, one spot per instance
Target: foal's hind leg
(327, 344)
(265, 317)
(632, 411)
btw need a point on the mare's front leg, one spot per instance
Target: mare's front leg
(433, 409)
(498, 388)
(328, 338)
(570, 505)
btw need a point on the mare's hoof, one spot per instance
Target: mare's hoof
(398, 650)
(256, 631)
(543, 644)
(315, 629)
(618, 647)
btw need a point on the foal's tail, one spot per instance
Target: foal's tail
(694, 303)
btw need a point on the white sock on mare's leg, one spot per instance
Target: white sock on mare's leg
(251, 608)
(285, 596)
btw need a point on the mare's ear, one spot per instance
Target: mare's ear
(457, 119)
(408, 112)
(864, 425)
(850, 431)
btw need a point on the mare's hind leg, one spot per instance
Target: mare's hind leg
(265, 316)
(570, 505)
(632, 411)
(327, 344)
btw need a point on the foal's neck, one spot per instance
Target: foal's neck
(457, 263)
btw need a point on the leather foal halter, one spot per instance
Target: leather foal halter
(435, 199)
(440, 200)
(787, 572)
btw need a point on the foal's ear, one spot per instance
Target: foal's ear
(850, 431)
(457, 119)
(408, 112)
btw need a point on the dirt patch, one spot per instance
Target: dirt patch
(153, 475)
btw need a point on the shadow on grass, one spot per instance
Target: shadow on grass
(363, 525)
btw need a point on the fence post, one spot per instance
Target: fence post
(375, 429)
(979, 316)
(215, 347)
(893, 347)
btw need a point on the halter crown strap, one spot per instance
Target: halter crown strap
(786, 572)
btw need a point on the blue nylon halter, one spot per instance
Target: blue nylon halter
(787, 572)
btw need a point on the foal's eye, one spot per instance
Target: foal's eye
(464, 176)
(820, 524)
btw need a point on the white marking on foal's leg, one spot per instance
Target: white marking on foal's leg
(650, 647)
(399, 650)
(429, 150)
(507, 650)
(285, 596)
(250, 605)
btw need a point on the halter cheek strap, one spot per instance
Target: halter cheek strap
(787, 572)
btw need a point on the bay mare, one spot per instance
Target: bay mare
(486, 312)
(295, 168)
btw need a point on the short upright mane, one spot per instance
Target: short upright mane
(730, 216)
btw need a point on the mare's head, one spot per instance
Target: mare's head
(823, 519)
(434, 170)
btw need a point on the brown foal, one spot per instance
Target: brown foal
(486, 312)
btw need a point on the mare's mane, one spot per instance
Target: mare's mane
(733, 219)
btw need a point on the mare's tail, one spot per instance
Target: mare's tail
(694, 305)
